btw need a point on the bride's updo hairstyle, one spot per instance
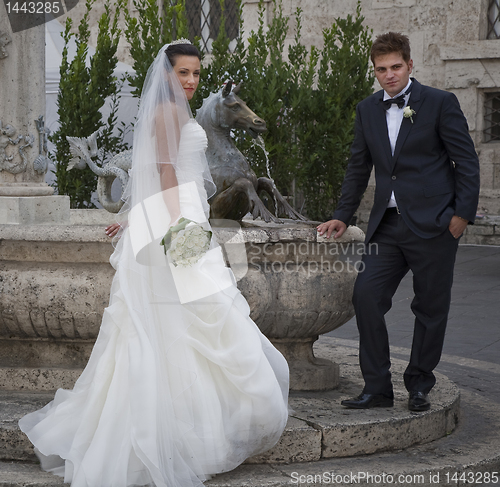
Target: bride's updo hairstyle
(174, 50)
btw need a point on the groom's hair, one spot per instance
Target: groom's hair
(389, 43)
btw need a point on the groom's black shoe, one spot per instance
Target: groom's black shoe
(418, 401)
(367, 401)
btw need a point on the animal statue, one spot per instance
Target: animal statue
(83, 150)
(237, 185)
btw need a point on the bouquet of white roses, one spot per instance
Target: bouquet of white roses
(186, 243)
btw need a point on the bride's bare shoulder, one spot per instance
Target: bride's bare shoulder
(165, 108)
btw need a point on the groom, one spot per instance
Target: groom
(427, 186)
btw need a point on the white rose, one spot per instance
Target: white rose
(198, 240)
(408, 113)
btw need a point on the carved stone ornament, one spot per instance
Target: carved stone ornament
(41, 163)
(7, 162)
(83, 150)
(4, 40)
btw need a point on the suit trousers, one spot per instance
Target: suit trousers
(392, 251)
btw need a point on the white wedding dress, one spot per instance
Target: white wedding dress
(172, 393)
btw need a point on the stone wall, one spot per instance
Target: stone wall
(448, 49)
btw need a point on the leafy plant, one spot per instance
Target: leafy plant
(307, 97)
(325, 121)
(151, 30)
(82, 92)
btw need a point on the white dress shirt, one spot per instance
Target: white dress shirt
(394, 116)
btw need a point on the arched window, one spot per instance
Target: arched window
(491, 117)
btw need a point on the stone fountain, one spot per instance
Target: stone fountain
(55, 279)
(299, 286)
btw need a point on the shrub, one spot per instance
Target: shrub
(82, 92)
(151, 30)
(306, 97)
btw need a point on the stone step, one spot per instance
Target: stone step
(36, 379)
(470, 456)
(14, 405)
(319, 426)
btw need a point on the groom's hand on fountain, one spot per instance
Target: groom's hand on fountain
(331, 226)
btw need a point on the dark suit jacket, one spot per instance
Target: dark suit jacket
(434, 172)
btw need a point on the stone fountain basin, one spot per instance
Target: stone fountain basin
(55, 282)
(299, 285)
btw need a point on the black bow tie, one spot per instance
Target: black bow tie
(399, 101)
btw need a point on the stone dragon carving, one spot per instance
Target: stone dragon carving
(83, 151)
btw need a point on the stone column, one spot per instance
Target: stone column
(25, 198)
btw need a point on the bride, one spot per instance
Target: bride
(181, 384)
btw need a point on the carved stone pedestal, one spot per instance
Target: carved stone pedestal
(307, 372)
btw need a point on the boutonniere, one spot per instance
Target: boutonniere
(408, 113)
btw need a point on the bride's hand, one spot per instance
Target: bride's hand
(112, 230)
